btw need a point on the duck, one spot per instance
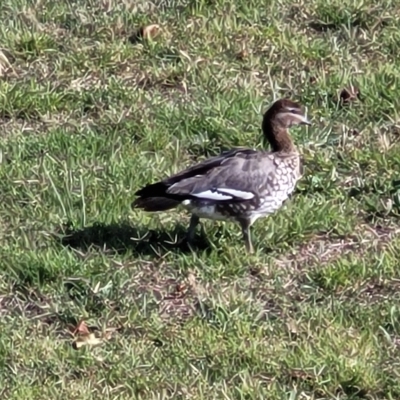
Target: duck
(239, 185)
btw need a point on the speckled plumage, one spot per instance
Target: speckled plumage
(240, 185)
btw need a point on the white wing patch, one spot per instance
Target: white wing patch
(220, 194)
(212, 195)
(237, 193)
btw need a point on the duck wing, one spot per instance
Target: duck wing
(183, 180)
(237, 178)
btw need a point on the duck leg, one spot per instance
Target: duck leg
(245, 225)
(194, 221)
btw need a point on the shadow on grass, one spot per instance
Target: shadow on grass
(122, 238)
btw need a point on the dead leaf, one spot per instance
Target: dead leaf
(81, 329)
(86, 340)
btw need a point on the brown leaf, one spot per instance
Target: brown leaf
(86, 340)
(347, 95)
(81, 329)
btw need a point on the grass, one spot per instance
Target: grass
(90, 112)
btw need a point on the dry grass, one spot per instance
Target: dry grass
(93, 105)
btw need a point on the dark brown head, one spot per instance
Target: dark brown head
(283, 114)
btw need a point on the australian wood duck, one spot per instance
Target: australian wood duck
(239, 185)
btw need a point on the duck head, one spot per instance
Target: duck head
(282, 115)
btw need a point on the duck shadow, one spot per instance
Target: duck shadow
(122, 238)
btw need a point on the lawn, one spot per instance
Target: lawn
(97, 300)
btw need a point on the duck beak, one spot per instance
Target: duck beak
(297, 118)
(304, 120)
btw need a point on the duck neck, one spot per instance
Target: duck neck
(278, 138)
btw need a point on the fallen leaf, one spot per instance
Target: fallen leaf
(86, 340)
(81, 329)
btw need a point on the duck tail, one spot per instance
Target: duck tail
(153, 204)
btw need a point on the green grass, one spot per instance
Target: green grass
(87, 117)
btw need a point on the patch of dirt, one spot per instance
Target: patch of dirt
(31, 306)
(176, 299)
(173, 82)
(322, 249)
(12, 126)
(377, 291)
(36, 126)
